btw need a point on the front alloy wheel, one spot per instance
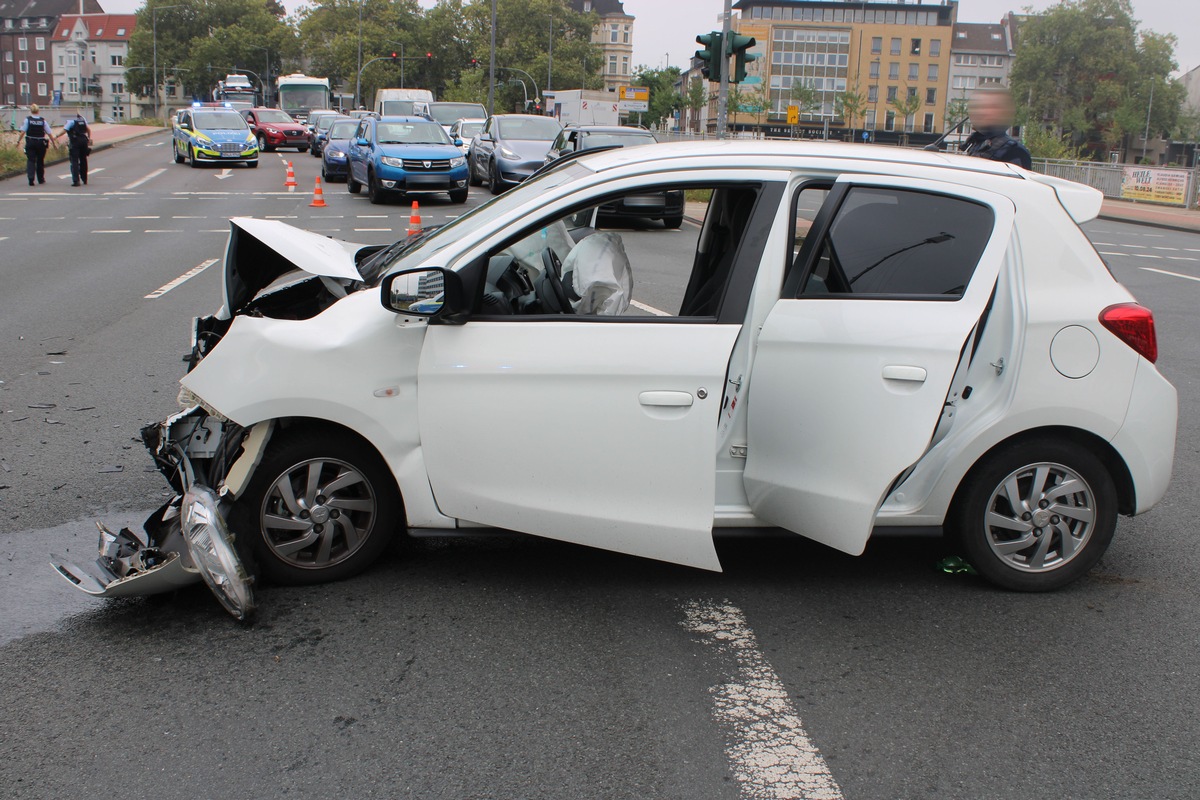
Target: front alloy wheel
(1038, 515)
(321, 507)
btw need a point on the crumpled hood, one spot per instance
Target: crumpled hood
(261, 250)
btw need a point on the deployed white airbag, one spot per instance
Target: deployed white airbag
(600, 275)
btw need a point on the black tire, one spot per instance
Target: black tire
(263, 147)
(674, 223)
(175, 152)
(358, 519)
(472, 177)
(302, 149)
(1043, 519)
(192, 158)
(458, 196)
(252, 164)
(374, 191)
(352, 186)
(324, 174)
(495, 182)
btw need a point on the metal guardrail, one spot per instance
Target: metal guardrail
(1160, 185)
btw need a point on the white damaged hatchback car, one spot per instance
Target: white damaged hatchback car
(848, 337)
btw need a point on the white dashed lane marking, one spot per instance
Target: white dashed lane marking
(771, 754)
(191, 273)
(1172, 274)
(114, 231)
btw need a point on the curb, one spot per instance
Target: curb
(1149, 223)
(96, 148)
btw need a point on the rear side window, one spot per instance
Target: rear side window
(896, 242)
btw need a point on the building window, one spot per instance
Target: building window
(23, 67)
(895, 46)
(915, 49)
(965, 60)
(963, 82)
(22, 43)
(39, 44)
(876, 45)
(894, 71)
(117, 88)
(613, 34)
(933, 72)
(73, 85)
(626, 34)
(24, 89)
(41, 90)
(624, 65)
(991, 82)
(909, 123)
(914, 71)
(612, 65)
(935, 47)
(991, 61)
(928, 126)
(869, 121)
(72, 59)
(41, 67)
(8, 79)
(873, 94)
(120, 31)
(874, 69)
(117, 61)
(912, 92)
(60, 59)
(8, 56)
(889, 121)
(931, 97)
(891, 94)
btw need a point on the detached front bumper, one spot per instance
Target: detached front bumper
(187, 539)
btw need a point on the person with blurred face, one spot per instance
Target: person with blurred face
(992, 112)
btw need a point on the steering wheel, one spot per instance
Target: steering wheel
(552, 269)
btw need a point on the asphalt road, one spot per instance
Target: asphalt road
(519, 667)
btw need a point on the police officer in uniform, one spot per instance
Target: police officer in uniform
(36, 132)
(79, 145)
(992, 112)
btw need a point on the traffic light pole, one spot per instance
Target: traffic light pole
(723, 90)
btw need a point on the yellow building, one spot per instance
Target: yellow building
(888, 53)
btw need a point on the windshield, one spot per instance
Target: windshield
(304, 97)
(448, 113)
(343, 129)
(410, 133)
(617, 140)
(397, 108)
(470, 130)
(539, 129)
(326, 122)
(219, 120)
(244, 96)
(277, 117)
(425, 249)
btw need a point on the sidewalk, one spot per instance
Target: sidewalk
(1179, 219)
(104, 136)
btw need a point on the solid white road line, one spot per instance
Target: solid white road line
(191, 273)
(770, 752)
(372, 230)
(1172, 274)
(140, 181)
(658, 312)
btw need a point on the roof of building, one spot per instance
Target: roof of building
(979, 37)
(100, 27)
(602, 7)
(14, 9)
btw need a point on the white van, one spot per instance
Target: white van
(400, 102)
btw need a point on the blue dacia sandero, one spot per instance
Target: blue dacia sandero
(402, 155)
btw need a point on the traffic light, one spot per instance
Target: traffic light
(393, 58)
(429, 58)
(712, 56)
(737, 47)
(473, 64)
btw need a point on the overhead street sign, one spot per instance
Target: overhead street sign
(633, 98)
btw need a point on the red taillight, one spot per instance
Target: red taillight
(1133, 325)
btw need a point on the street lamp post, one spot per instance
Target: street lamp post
(266, 84)
(492, 64)
(154, 37)
(550, 54)
(358, 80)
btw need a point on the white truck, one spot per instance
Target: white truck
(400, 102)
(583, 107)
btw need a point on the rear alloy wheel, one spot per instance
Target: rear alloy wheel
(1037, 515)
(262, 144)
(320, 507)
(179, 159)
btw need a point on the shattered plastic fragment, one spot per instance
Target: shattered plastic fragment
(113, 468)
(955, 565)
(43, 405)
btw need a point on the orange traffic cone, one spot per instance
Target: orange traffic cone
(290, 183)
(318, 200)
(414, 220)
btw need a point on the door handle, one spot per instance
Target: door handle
(673, 399)
(903, 373)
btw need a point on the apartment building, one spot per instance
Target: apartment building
(89, 52)
(26, 28)
(981, 57)
(614, 35)
(890, 53)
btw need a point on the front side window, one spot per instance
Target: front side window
(893, 242)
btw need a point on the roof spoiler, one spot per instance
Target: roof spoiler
(1080, 201)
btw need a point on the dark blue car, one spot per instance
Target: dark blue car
(335, 151)
(404, 155)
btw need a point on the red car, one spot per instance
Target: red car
(274, 128)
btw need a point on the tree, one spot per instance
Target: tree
(1085, 69)
(695, 99)
(804, 97)
(849, 105)
(956, 110)
(906, 103)
(758, 101)
(663, 97)
(200, 41)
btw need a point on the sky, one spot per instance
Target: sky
(659, 34)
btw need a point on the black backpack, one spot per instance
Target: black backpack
(78, 135)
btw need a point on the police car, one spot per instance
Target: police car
(213, 133)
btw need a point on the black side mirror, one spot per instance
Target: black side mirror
(431, 292)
